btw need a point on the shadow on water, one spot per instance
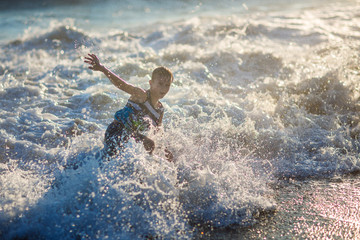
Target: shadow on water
(23, 4)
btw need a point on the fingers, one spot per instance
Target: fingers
(93, 56)
(93, 60)
(168, 155)
(89, 57)
(90, 60)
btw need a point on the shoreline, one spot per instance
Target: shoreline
(311, 209)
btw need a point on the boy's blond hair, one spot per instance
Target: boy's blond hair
(162, 72)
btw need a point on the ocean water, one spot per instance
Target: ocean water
(262, 119)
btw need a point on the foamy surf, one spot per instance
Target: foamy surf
(258, 96)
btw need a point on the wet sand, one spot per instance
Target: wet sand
(312, 209)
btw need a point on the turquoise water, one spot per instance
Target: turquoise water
(262, 119)
(101, 17)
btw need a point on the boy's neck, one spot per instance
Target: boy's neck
(154, 101)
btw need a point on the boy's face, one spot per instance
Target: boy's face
(160, 86)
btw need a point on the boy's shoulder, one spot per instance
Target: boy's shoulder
(141, 97)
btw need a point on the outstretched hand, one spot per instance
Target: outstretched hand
(94, 61)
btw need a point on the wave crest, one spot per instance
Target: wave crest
(62, 37)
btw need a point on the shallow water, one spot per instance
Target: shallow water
(312, 209)
(264, 92)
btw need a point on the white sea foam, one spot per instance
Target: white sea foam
(257, 96)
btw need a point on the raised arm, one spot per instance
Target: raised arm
(137, 93)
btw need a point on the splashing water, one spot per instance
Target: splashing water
(259, 95)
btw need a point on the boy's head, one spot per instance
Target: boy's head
(160, 82)
(162, 72)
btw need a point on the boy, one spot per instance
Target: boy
(142, 111)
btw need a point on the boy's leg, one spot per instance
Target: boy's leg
(147, 142)
(114, 138)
